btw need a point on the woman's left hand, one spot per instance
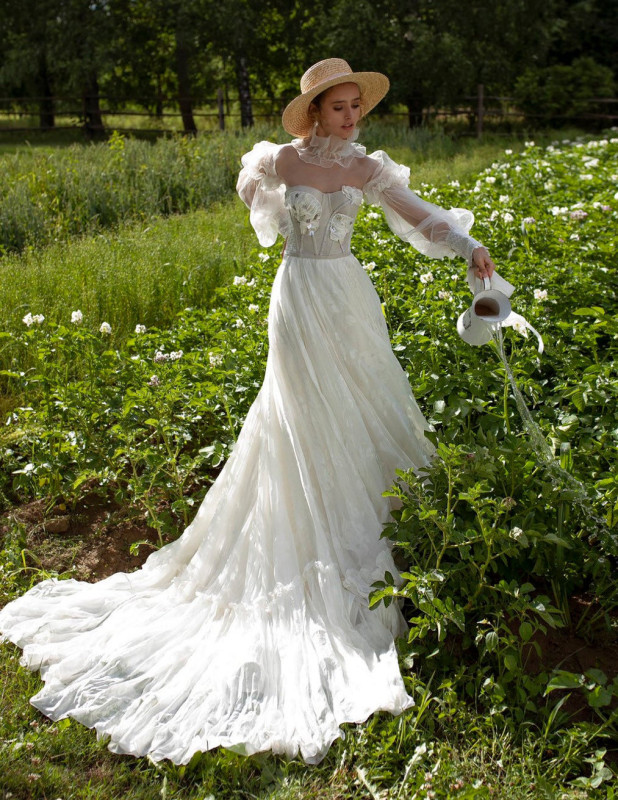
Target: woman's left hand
(481, 261)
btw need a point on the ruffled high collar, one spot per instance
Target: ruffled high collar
(325, 151)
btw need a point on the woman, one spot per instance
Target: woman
(252, 630)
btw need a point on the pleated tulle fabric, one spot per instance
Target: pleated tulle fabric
(252, 630)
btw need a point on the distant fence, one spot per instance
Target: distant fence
(88, 113)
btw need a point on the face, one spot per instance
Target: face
(339, 111)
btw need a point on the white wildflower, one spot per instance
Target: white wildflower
(445, 295)
(239, 323)
(369, 266)
(490, 179)
(493, 216)
(579, 213)
(508, 152)
(105, 328)
(504, 198)
(240, 280)
(518, 168)
(591, 162)
(263, 256)
(516, 533)
(455, 184)
(175, 355)
(529, 221)
(77, 317)
(540, 294)
(521, 328)
(160, 357)
(154, 380)
(586, 176)
(28, 319)
(529, 144)
(254, 308)
(558, 211)
(426, 278)
(140, 329)
(549, 186)
(455, 278)
(374, 214)
(508, 217)
(215, 359)
(574, 237)
(251, 282)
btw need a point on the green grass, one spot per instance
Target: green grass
(135, 274)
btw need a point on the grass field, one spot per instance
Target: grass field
(510, 591)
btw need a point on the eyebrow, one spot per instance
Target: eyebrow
(343, 101)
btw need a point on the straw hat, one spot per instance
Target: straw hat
(321, 76)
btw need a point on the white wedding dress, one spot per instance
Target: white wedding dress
(252, 630)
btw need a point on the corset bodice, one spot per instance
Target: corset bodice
(319, 223)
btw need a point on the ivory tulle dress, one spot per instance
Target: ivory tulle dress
(252, 630)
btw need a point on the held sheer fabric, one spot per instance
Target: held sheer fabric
(252, 630)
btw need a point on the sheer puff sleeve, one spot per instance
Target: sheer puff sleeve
(432, 230)
(263, 192)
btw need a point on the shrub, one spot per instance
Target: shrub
(564, 91)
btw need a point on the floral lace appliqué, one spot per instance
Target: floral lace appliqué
(340, 226)
(306, 210)
(352, 194)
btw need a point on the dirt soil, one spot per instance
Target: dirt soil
(92, 541)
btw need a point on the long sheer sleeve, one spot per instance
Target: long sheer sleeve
(432, 230)
(263, 191)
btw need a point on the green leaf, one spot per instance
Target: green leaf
(511, 662)
(564, 680)
(599, 697)
(525, 631)
(594, 311)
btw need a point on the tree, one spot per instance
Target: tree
(27, 29)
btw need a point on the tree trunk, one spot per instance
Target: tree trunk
(93, 121)
(185, 100)
(414, 104)
(244, 92)
(159, 103)
(46, 100)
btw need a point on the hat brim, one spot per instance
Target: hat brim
(373, 87)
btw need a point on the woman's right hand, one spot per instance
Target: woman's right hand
(484, 267)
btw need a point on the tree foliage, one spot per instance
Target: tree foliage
(151, 53)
